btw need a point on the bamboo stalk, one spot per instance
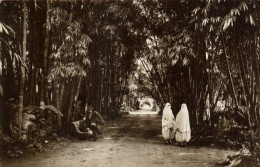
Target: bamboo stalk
(22, 79)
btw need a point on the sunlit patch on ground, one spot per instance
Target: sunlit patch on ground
(113, 127)
(88, 149)
(143, 112)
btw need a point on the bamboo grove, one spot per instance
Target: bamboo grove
(204, 53)
(208, 57)
(60, 53)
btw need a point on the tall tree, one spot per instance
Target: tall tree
(22, 79)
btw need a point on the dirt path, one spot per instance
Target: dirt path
(132, 141)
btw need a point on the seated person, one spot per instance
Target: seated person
(90, 121)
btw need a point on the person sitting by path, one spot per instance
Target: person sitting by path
(90, 121)
(168, 122)
(183, 132)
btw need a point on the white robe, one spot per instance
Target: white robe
(168, 122)
(183, 132)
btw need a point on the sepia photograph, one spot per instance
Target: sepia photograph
(129, 83)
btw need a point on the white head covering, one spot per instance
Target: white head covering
(168, 117)
(167, 109)
(182, 119)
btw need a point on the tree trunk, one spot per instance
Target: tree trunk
(101, 91)
(44, 94)
(61, 94)
(22, 79)
(256, 70)
(32, 53)
(243, 75)
(229, 73)
(77, 91)
(57, 101)
(71, 100)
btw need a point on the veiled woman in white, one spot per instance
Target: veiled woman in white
(183, 132)
(168, 122)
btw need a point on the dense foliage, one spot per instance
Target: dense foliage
(206, 54)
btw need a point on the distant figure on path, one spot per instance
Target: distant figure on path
(183, 132)
(168, 122)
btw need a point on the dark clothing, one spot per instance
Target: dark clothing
(85, 124)
(97, 118)
(90, 123)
